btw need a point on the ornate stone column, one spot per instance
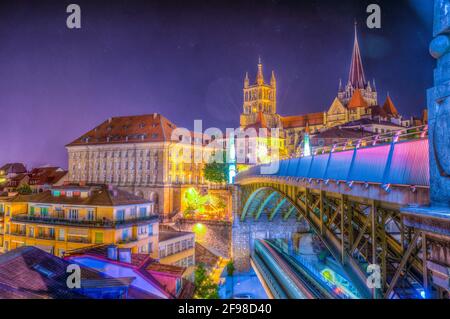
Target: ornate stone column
(439, 107)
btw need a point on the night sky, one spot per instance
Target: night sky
(187, 60)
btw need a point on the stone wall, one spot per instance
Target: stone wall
(214, 235)
(245, 232)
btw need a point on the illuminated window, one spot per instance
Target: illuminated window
(99, 238)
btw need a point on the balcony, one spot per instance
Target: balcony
(80, 240)
(127, 241)
(18, 233)
(104, 223)
(46, 237)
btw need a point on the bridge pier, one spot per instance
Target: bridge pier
(433, 222)
(244, 234)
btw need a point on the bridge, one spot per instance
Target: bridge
(283, 278)
(361, 198)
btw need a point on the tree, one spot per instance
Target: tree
(205, 288)
(230, 273)
(24, 189)
(216, 172)
(230, 268)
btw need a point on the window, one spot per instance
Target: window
(44, 211)
(150, 230)
(91, 214)
(142, 211)
(177, 247)
(31, 210)
(150, 248)
(31, 232)
(162, 252)
(120, 215)
(125, 234)
(73, 214)
(62, 235)
(142, 230)
(169, 249)
(98, 238)
(133, 212)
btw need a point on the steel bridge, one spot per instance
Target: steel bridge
(352, 196)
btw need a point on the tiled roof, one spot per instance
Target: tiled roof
(168, 235)
(377, 110)
(389, 107)
(347, 133)
(46, 175)
(301, 120)
(367, 121)
(204, 256)
(98, 197)
(357, 100)
(28, 272)
(166, 269)
(129, 129)
(13, 168)
(259, 123)
(143, 263)
(101, 251)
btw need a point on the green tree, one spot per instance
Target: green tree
(217, 172)
(205, 288)
(230, 273)
(24, 189)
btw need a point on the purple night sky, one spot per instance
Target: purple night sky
(187, 61)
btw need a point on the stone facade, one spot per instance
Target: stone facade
(214, 235)
(138, 154)
(245, 232)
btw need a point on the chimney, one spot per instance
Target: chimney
(125, 255)
(155, 115)
(112, 252)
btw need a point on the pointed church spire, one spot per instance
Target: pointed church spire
(341, 88)
(246, 80)
(260, 76)
(356, 74)
(273, 81)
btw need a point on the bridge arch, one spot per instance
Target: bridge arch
(279, 200)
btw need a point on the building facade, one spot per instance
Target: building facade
(144, 155)
(72, 217)
(357, 100)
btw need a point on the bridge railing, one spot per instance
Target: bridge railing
(404, 134)
(395, 159)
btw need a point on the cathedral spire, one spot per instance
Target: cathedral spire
(246, 80)
(356, 75)
(260, 76)
(273, 81)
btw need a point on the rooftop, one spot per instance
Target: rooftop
(98, 196)
(168, 235)
(28, 272)
(129, 129)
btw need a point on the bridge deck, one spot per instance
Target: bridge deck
(403, 163)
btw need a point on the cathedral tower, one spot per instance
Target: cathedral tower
(260, 100)
(357, 79)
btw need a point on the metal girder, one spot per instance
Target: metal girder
(354, 230)
(278, 207)
(402, 265)
(289, 213)
(264, 204)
